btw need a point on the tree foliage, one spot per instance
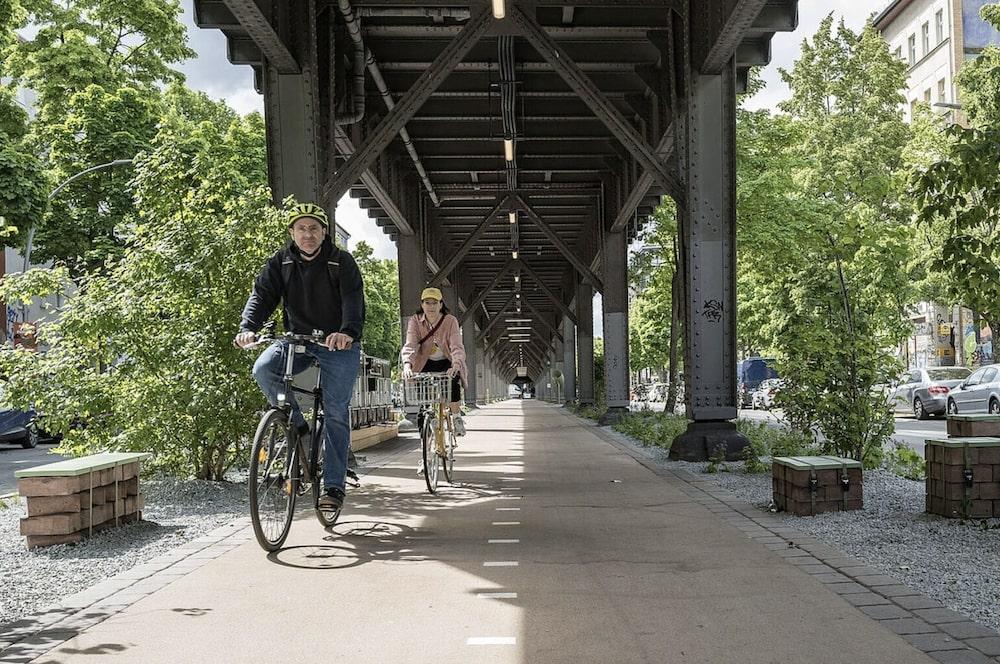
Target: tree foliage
(382, 336)
(23, 185)
(143, 351)
(824, 239)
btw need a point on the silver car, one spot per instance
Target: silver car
(924, 392)
(979, 393)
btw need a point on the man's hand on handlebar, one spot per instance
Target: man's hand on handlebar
(244, 339)
(407, 371)
(338, 341)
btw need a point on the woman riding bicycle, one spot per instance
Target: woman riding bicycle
(434, 344)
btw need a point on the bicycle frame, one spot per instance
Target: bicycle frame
(293, 348)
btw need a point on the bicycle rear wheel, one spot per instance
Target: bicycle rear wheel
(448, 460)
(429, 453)
(272, 480)
(326, 517)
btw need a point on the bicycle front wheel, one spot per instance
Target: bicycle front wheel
(429, 453)
(272, 485)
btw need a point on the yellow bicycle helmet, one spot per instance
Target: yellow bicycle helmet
(308, 210)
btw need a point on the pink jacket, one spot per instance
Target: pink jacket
(448, 337)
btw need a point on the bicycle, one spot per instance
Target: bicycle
(431, 392)
(281, 468)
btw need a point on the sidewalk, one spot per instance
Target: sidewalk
(557, 545)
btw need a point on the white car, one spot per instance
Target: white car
(763, 396)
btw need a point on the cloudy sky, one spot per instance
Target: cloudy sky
(212, 73)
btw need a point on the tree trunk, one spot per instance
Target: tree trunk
(674, 334)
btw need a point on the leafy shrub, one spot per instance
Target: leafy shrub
(767, 442)
(903, 461)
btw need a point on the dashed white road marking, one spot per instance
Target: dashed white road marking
(506, 523)
(491, 641)
(503, 541)
(497, 595)
(507, 509)
(501, 563)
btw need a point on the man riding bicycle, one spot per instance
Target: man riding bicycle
(321, 291)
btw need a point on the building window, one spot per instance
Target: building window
(939, 25)
(927, 96)
(941, 91)
(925, 37)
(899, 52)
(913, 109)
(911, 44)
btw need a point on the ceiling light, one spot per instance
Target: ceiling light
(518, 320)
(513, 255)
(518, 295)
(499, 9)
(520, 327)
(517, 278)
(513, 217)
(508, 149)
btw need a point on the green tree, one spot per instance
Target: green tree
(382, 337)
(143, 350)
(99, 126)
(111, 43)
(825, 240)
(23, 186)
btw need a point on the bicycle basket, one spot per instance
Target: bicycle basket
(426, 389)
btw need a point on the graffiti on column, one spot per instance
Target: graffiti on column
(13, 316)
(712, 310)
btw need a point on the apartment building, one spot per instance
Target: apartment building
(935, 38)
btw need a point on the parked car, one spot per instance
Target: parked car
(21, 427)
(924, 392)
(979, 393)
(750, 373)
(763, 396)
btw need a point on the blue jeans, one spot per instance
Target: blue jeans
(338, 372)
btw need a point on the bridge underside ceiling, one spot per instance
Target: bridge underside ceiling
(579, 149)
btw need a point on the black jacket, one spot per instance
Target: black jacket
(313, 298)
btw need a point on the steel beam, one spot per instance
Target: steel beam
(396, 119)
(472, 238)
(264, 35)
(548, 291)
(634, 198)
(496, 318)
(563, 248)
(607, 112)
(729, 36)
(486, 291)
(541, 319)
(375, 186)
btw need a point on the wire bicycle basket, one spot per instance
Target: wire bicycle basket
(426, 389)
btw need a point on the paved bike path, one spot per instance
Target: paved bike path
(555, 546)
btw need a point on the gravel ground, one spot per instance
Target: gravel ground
(955, 562)
(176, 512)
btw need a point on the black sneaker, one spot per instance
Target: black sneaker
(332, 500)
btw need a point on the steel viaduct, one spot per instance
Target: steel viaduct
(512, 149)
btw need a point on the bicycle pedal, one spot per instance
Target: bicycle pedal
(353, 475)
(353, 483)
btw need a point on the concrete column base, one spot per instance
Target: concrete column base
(701, 440)
(613, 415)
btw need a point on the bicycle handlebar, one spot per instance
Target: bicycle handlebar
(288, 336)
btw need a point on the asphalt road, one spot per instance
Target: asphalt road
(909, 431)
(14, 457)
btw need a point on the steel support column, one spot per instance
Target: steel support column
(585, 342)
(411, 264)
(569, 359)
(291, 137)
(615, 311)
(471, 353)
(708, 235)
(559, 371)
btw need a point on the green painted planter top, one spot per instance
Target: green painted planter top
(816, 462)
(83, 465)
(976, 417)
(970, 441)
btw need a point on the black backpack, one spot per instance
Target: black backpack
(332, 268)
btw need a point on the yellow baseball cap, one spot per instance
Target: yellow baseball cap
(431, 294)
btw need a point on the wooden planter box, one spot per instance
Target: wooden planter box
(963, 477)
(967, 426)
(70, 499)
(811, 485)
